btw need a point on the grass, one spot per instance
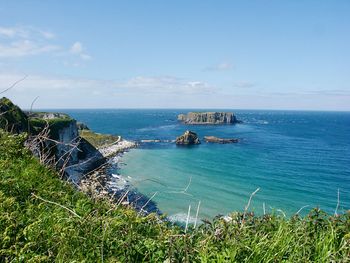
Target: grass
(44, 219)
(55, 125)
(11, 117)
(97, 139)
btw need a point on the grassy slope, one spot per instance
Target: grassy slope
(97, 139)
(11, 117)
(33, 230)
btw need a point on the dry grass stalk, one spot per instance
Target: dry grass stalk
(142, 208)
(195, 222)
(54, 203)
(248, 204)
(188, 218)
(338, 202)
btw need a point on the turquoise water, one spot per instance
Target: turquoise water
(296, 159)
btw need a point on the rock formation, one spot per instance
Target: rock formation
(47, 115)
(214, 139)
(208, 118)
(188, 138)
(82, 126)
(62, 143)
(82, 157)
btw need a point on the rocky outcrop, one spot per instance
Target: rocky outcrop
(48, 115)
(75, 155)
(55, 136)
(208, 118)
(82, 126)
(188, 138)
(214, 139)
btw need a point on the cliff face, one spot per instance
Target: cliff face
(73, 154)
(208, 118)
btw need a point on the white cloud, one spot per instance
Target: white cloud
(25, 32)
(25, 48)
(220, 67)
(151, 92)
(7, 32)
(38, 84)
(24, 41)
(48, 35)
(77, 49)
(166, 84)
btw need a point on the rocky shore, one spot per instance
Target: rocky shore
(107, 182)
(119, 146)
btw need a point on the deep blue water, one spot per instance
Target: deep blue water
(296, 158)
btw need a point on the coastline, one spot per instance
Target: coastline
(116, 147)
(107, 181)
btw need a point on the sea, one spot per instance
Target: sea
(294, 161)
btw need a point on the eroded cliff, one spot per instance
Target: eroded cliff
(208, 118)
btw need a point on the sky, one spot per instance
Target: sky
(292, 55)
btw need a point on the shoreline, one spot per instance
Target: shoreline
(116, 147)
(107, 180)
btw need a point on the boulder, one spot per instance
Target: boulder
(188, 138)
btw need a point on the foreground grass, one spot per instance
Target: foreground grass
(43, 219)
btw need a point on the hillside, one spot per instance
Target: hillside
(44, 219)
(12, 118)
(53, 138)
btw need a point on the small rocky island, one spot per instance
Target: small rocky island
(188, 138)
(208, 118)
(214, 139)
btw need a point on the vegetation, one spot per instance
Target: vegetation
(44, 219)
(97, 139)
(55, 125)
(12, 117)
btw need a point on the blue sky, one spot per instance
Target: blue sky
(177, 54)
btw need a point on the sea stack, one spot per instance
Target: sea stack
(188, 138)
(207, 118)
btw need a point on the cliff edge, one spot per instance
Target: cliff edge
(61, 142)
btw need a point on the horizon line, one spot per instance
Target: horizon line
(155, 108)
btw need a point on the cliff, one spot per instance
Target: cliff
(208, 118)
(61, 143)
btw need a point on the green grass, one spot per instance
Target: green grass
(12, 117)
(44, 219)
(97, 139)
(55, 125)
